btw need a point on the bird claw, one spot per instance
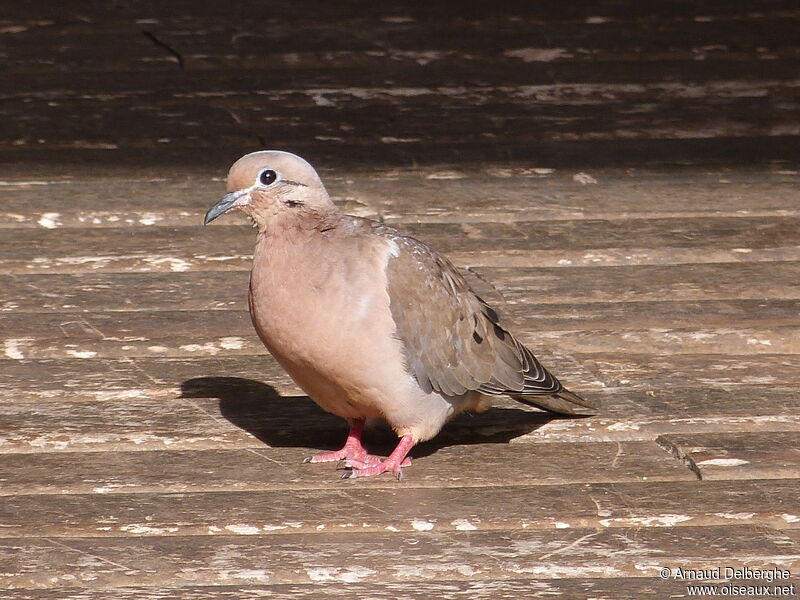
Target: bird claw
(375, 469)
(338, 455)
(354, 463)
(359, 459)
(357, 462)
(367, 462)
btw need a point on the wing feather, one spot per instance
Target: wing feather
(454, 342)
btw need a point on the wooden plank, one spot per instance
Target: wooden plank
(27, 250)
(655, 153)
(747, 455)
(202, 40)
(128, 378)
(617, 588)
(690, 340)
(639, 428)
(251, 469)
(374, 509)
(633, 112)
(578, 11)
(497, 194)
(33, 175)
(529, 315)
(596, 327)
(594, 150)
(655, 371)
(107, 379)
(375, 56)
(85, 377)
(235, 412)
(126, 201)
(567, 44)
(636, 283)
(520, 195)
(202, 34)
(340, 40)
(141, 421)
(528, 292)
(90, 292)
(130, 424)
(134, 334)
(619, 257)
(76, 47)
(308, 558)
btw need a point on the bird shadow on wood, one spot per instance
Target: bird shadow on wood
(296, 421)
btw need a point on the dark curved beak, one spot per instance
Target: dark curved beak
(227, 202)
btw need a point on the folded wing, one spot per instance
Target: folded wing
(454, 341)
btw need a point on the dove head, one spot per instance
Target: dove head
(273, 188)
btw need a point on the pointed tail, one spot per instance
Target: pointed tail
(563, 402)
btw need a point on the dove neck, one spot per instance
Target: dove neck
(302, 222)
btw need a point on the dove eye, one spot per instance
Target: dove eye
(267, 177)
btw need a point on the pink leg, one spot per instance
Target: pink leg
(397, 459)
(353, 451)
(353, 447)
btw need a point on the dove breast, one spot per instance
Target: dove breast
(320, 304)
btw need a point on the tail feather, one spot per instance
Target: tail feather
(563, 402)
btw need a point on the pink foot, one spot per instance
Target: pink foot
(347, 455)
(353, 449)
(393, 464)
(343, 454)
(370, 461)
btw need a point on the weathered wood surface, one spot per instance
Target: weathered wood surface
(750, 455)
(401, 83)
(575, 242)
(134, 419)
(228, 468)
(375, 509)
(567, 287)
(305, 558)
(174, 334)
(617, 588)
(496, 193)
(621, 179)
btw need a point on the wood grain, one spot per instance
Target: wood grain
(753, 454)
(496, 193)
(262, 468)
(373, 508)
(218, 247)
(766, 327)
(524, 289)
(618, 588)
(305, 558)
(620, 179)
(229, 412)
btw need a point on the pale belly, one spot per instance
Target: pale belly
(330, 326)
(333, 333)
